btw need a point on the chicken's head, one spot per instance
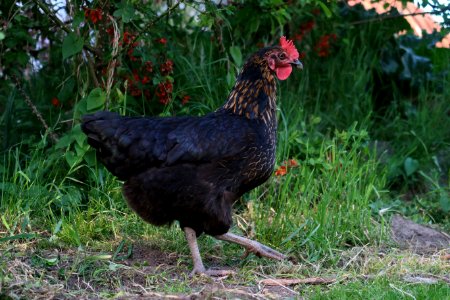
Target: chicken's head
(281, 58)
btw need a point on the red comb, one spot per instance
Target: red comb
(289, 46)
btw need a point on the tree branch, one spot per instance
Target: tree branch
(149, 25)
(113, 62)
(91, 69)
(61, 25)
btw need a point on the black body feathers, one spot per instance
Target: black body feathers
(192, 169)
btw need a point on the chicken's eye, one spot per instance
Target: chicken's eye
(281, 56)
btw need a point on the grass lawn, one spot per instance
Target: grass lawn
(159, 264)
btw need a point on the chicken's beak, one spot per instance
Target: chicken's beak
(297, 64)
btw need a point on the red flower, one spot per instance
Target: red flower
(162, 41)
(148, 66)
(168, 87)
(298, 37)
(55, 102)
(94, 15)
(292, 163)
(145, 79)
(281, 171)
(164, 98)
(185, 99)
(163, 91)
(166, 68)
(134, 90)
(323, 45)
(136, 76)
(110, 31)
(127, 37)
(131, 51)
(308, 26)
(304, 29)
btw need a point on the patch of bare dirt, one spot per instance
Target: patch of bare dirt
(150, 260)
(151, 255)
(419, 238)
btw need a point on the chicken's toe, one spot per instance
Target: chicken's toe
(211, 272)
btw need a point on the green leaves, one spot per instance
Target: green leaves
(236, 55)
(77, 147)
(444, 200)
(72, 44)
(325, 9)
(71, 158)
(411, 165)
(96, 99)
(20, 236)
(126, 12)
(78, 19)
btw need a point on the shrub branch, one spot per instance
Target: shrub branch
(34, 109)
(149, 25)
(112, 63)
(61, 25)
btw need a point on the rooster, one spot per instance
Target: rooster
(192, 169)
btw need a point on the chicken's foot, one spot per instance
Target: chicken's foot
(199, 268)
(252, 246)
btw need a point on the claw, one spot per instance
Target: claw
(255, 247)
(197, 271)
(211, 273)
(199, 268)
(250, 246)
(219, 273)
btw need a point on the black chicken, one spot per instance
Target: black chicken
(192, 169)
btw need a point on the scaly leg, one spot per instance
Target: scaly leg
(199, 268)
(252, 246)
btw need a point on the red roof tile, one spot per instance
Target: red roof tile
(418, 23)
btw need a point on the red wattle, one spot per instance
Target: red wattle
(284, 72)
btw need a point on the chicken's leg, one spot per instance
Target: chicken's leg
(252, 246)
(199, 268)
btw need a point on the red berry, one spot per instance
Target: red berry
(185, 99)
(162, 41)
(55, 102)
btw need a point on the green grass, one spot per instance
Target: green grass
(362, 273)
(384, 288)
(323, 203)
